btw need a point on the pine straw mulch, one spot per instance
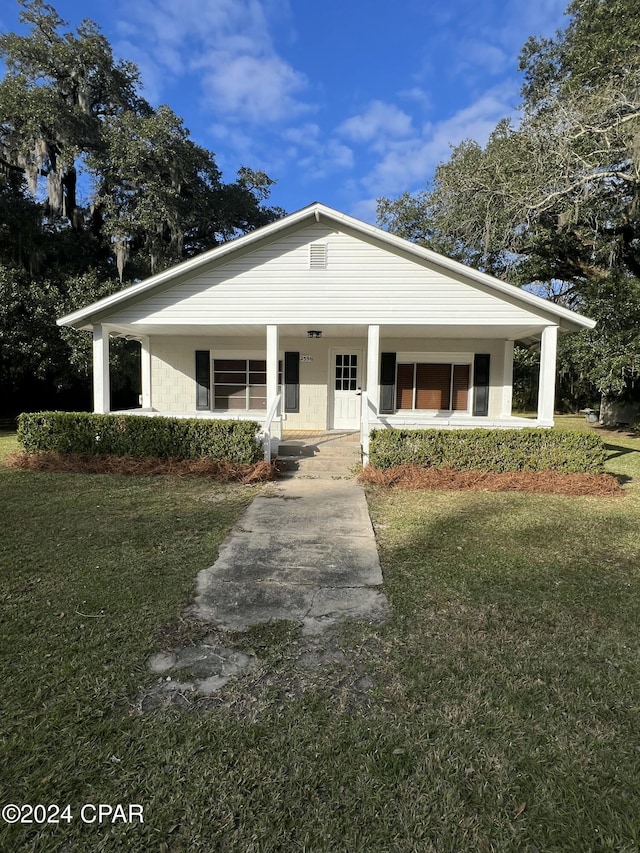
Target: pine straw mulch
(541, 482)
(79, 463)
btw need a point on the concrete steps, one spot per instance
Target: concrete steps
(320, 457)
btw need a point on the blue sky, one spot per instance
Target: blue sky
(341, 101)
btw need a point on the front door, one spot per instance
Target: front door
(346, 390)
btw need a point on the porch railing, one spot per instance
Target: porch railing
(364, 427)
(266, 427)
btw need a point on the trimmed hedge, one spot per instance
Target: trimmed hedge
(139, 436)
(489, 450)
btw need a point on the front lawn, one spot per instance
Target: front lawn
(623, 446)
(497, 709)
(516, 654)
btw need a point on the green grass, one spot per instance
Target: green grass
(517, 652)
(497, 709)
(8, 442)
(623, 447)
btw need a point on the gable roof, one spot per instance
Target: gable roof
(319, 213)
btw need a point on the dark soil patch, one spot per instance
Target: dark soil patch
(284, 670)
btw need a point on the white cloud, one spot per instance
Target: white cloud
(301, 154)
(227, 46)
(541, 18)
(326, 157)
(378, 121)
(418, 96)
(314, 155)
(303, 134)
(407, 163)
(404, 156)
(256, 88)
(260, 103)
(475, 41)
(489, 58)
(365, 209)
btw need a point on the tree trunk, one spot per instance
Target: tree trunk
(69, 196)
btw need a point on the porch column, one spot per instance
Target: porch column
(373, 369)
(145, 372)
(547, 383)
(101, 390)
(371, 399)
(272, 365)
(507, 380)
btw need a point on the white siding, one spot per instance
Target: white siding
(363, 284)
(314, 389)
(173, 372)
(458, 345)
(173, 369)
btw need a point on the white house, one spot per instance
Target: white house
(320, 321)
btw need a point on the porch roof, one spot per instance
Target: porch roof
(470, 330)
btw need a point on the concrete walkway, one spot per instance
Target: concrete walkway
(304, 551)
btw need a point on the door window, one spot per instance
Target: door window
(346, 372)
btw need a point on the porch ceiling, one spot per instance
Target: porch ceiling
(460, 330)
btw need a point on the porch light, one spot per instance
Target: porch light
(314, 333)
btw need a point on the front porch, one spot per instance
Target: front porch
(453, 377)
(338, 378)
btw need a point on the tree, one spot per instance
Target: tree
(57, 90)
(159, 197)
(554, 203)
(156, 197)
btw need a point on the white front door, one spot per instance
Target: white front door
(346, 369)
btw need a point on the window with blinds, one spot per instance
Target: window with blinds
(441, 387)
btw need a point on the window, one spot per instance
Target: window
(240, 384)
(433, 386)
(346, 372)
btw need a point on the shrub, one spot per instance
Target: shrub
(489, 450)
(139, 436)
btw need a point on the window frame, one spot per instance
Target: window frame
(248, 371)
(413, 360)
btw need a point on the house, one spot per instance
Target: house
(322, 322)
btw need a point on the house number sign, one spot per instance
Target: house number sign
(306, 358)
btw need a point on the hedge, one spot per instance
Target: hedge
(489, 450)
(139, 436)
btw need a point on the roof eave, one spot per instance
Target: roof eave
(469, 272)
(82, 318)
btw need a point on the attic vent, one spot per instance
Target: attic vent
(318, 256)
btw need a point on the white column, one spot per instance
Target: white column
(272, 364)
(373, 369)
(371, 399)
(507, 380)
(547, 383)
(145, 372)
(101, 390)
